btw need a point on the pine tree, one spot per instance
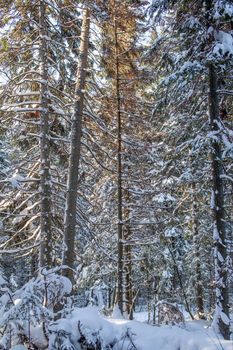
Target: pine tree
(37, 54)
(45, 180)
(76, 131)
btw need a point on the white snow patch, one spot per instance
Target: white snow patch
(195, 335)
(116, 313)
(224, 45)
(2, 281)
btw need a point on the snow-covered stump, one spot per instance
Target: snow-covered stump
(169, 313)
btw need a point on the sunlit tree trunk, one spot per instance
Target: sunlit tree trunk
(74, 160)
(120, 291)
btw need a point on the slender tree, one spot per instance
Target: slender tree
(219, 222)
(75, 148)
(45, 178)
(120, 292)
(198, 274)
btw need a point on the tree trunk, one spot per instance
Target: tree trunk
(74, 160)
(45, 258)
(61, 63)
(119, 172)
(181, 283)
(198, 275)
(128, 275)
(220, 251)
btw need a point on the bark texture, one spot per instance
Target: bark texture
(45, 259)
(119, 170)
(220, 254)
(74, 160)
(196, 243)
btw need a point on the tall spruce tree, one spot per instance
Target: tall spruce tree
(201, 22)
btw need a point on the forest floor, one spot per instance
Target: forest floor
(195, 335)
(139, 335)
(121, 334)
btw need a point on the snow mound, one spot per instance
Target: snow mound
(86, 328)
(86, 324)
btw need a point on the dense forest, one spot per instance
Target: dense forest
(116, 174)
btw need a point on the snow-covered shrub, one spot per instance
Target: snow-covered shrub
(26, 313)
(86, 329)
(28, 319)
(83, 329)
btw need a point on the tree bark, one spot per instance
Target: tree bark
(45, 257)
(119, 172)
(127, 253)
(128, 276)
(74, 159)
(198, 274)
(220, 251)
(181, 283)
(61, 67)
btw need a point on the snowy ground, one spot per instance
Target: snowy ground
(121, 334)
(195, 336)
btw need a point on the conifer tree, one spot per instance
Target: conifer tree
(202, 20)
(76, 131)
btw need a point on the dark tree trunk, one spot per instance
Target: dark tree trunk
(220, 251)
(128, 275)
(196, 243)
(45, 258)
